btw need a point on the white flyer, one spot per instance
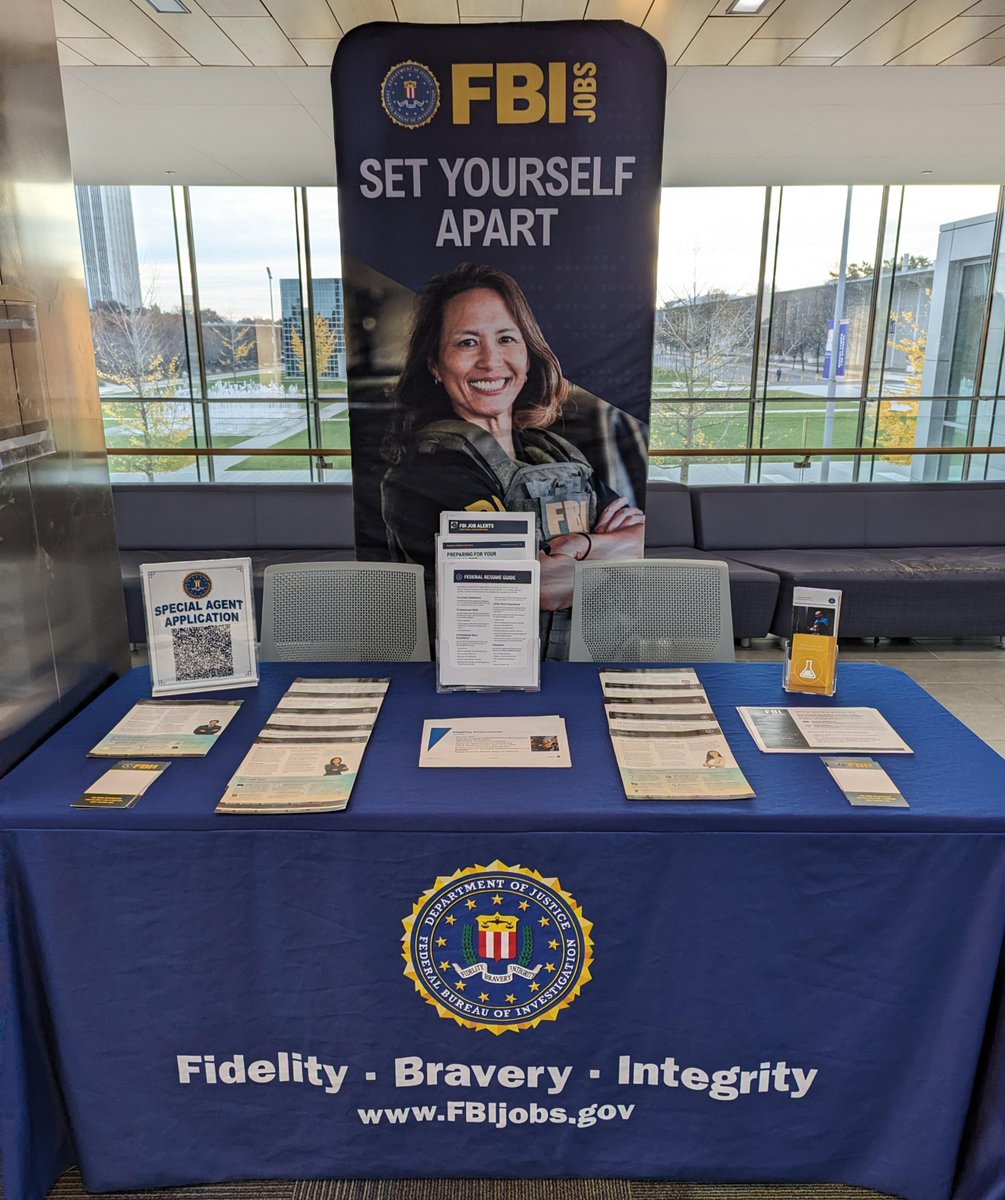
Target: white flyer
(167, 729)
(200, 625)
(811, 730)
(488, 624)
(495, 742)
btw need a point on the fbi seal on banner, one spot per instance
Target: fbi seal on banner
(410, 94)
(498, 948)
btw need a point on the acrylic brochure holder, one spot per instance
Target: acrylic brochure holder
(811, 655)
(488, 599)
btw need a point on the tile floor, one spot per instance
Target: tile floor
(966, 675)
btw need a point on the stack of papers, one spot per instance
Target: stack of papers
(488, 601)
(666, 738)
(495, 742)
(167, 729)
(812, 730)
(308, 755)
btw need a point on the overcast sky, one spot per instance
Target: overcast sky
(709, 237)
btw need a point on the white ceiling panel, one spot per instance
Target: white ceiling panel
(71, 58)
(559, 10)
(633, 11)
(987, 8)
(429, 11)
(489, 21)
(202, 38)
(487, 10)
(797, 60)
(852, 24)
(675, 23)
(261, 41)
(719, 40)
(103, 52)
(71, 23)
(189, 87)
(122, 20)
(765, 52)
(350, 13)
(233, 8)
(902, 32)
(170, 62)
(949, 39)
(316, 52)
(982, 54)
(800, 18)
(304, 18)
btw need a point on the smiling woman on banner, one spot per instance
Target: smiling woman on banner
(471, 430)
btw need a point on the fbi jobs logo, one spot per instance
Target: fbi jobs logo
(497, 947)
(410, 94)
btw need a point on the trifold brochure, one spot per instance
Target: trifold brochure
(308, 754)
(167, 729)
(487, 601)
(812, 730)
(495, 742)
(666, 738)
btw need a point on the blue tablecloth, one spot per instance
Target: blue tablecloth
(784, 988)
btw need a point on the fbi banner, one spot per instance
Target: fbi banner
(498, 195)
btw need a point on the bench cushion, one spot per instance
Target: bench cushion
(913, 591)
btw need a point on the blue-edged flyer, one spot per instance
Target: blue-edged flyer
(200, 625)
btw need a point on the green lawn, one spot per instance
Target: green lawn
(334, 434)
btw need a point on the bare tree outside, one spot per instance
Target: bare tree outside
(137, 350)
(704, 336)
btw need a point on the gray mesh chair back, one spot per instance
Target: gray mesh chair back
(344, 612)
(652, 610)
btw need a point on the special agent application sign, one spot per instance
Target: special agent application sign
(200, 625)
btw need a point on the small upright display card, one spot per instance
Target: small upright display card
(864, 782)
(200, 625)
(168, 729)
(122, 785)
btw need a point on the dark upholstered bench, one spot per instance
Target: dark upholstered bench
(273, 523)
(753, 593)
(172, 522)
(912, 560)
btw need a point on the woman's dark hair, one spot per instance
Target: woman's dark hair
(417, 399)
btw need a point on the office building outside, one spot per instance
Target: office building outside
(328, 308)
(108, 240)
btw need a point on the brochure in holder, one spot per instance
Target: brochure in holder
(200, 625)
(811, 656)
(488, 600)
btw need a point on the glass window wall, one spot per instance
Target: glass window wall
(787, 319)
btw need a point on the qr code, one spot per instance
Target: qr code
(205, 653)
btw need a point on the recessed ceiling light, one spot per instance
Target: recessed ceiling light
(745, 8)
(168, 6)
(926, 172)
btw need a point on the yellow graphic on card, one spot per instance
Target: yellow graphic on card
(814, 664)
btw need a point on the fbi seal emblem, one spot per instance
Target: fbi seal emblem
(498, 948)
(197, 585)
(410, 95)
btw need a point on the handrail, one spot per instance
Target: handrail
(683, 452)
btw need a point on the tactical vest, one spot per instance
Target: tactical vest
(553, 480)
